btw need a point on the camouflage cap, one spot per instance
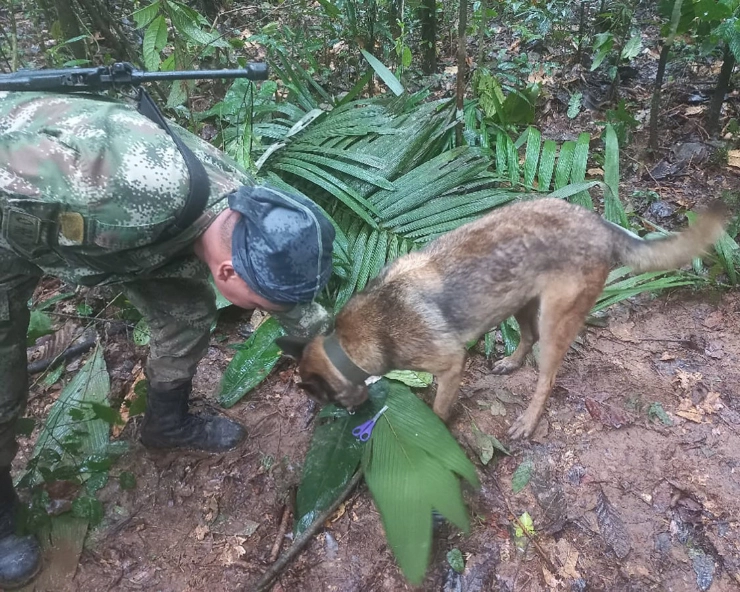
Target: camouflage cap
(282, 244)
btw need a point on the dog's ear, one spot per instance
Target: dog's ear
(292, 346)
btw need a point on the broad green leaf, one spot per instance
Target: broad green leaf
(46, 304)
(522, 475)
(547, 165)
(565, 161)
(24, 426)
(142, 333)
(632, 48)
(613, 209)
(38, 326)
(531, 157)
(333, 456)
(384, 73)
(155, 38)
(578, 170)
(144, 16)
(88, 434)
(251, 364)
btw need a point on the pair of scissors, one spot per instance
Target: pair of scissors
(362, 432)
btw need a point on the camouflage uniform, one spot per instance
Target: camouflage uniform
(104, 181)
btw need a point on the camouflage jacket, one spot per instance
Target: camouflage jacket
(112, 179)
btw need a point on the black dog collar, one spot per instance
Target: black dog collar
(341, 361)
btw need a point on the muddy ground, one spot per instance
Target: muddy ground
(209, 522)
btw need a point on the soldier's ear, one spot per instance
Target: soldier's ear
(292, 346)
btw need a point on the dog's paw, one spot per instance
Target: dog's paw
(523, 426)
(505, 366)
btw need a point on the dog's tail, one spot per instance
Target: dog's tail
(674, 251)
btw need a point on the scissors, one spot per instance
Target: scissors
(362, 432)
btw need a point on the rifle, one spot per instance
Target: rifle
(120, 73)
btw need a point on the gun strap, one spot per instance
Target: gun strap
(200, 188)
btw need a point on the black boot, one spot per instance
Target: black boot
(167, 424)
(20, 557)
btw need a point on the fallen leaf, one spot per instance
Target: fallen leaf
(612, 527)
(568, 557)
(716, 318)
(686, 380)
(552, 582)
(607, 414)
(451, 70)
(667, 356)
(733, 158)
(497, 408)
(694, 110)
(201, 531)
(339, 513)
(233, 551)
(711, 403)
(138, 374)
(687, 410)
(595, 172)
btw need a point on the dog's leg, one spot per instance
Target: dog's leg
(448, 386)
(565, 304)
(527, 319)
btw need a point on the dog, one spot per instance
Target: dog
(544, 261)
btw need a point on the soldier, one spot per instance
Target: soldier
(96, 193)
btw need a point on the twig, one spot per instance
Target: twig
(70, 352)
(266, 581)
(281, 532)
(540, 550)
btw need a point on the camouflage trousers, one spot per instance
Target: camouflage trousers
(179, 311)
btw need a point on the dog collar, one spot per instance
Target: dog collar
(341, 361)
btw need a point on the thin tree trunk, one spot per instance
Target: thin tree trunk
(393, 18)
(428, 16)
(67, 16)
(723, 83)
(482, 32)
(461, 63)
(655, 103)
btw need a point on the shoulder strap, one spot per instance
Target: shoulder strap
(200, 189)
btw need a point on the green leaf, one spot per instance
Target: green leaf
(522, 475)
(632, 48)
(384, 73)
(456, 560)
(88, 508)
(613, 209)
(52, 377)
(142, 333)
(155, 38)
(106, 413)
(251, 364)
(46, 304)
(411, 378)
(656, 411)
(38, 326)
(84, 309)
(603, 43)
(127, 480)
(525, 520)
(486, 444)
(96, 482)
(574, 105)
(138, 405)
(144, 16)
(89, 435)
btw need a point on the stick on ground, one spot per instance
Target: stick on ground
(268, 578)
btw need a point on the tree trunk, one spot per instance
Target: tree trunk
(428, 16)
(655, 103)
(394, 16)
(482, 32)
(723, 83)
(462, 41)
(67, 16)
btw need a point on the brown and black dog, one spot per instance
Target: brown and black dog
(544, 261)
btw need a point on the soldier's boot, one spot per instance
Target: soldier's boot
(20, 557)
(167, 424)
